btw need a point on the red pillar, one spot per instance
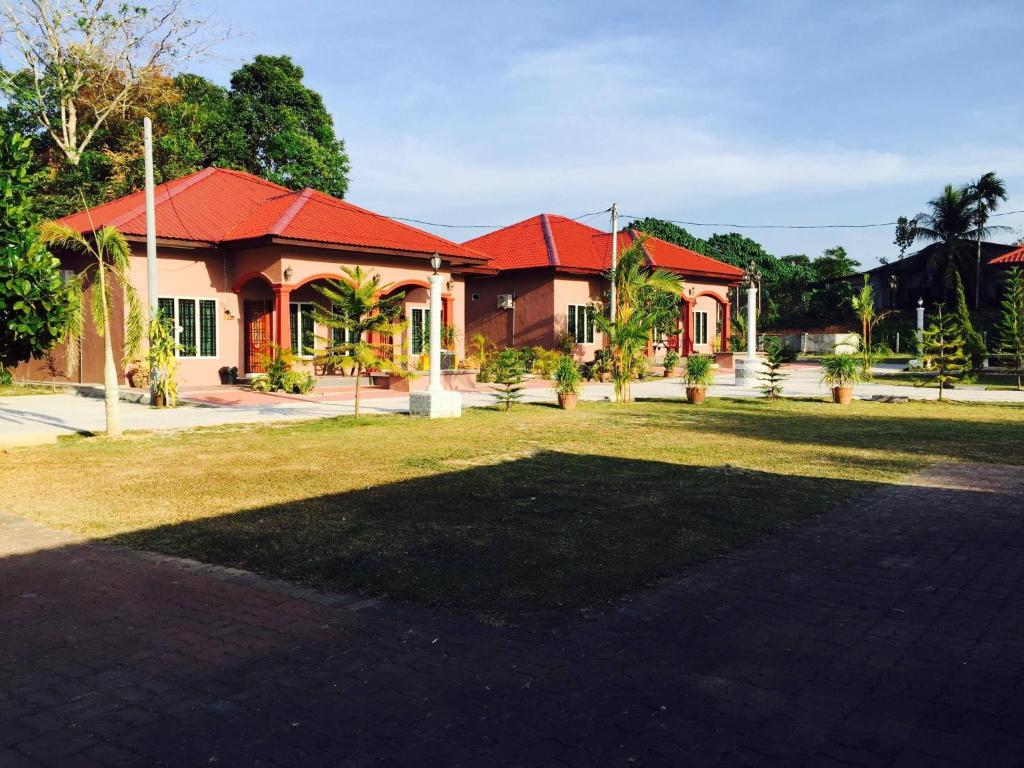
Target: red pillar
(282, 321)
(726, 328)
(447, 310)
(687, 327)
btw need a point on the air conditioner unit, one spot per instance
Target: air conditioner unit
(505, 301)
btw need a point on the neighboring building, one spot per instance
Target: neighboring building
(237, 260)
(551, 268)
(899, 284)
(1014, 258)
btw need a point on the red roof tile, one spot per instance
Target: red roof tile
(217, 205)
(548, 240)
(1013, 257)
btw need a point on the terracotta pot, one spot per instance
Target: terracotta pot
(567, 400)
(673, 373)
(696, 395)
(159, 401)
(842, 395)
(605, 378)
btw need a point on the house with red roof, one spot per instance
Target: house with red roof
(237, 259)
(548, 269)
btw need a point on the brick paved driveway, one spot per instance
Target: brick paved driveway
(891, 633)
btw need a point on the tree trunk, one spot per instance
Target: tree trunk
(111, 388)
(359, 375)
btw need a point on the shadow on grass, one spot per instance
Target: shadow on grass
(545, 532)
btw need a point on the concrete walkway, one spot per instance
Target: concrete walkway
(41, 418)
(887, 634)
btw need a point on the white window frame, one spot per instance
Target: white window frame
(298, 328)
(572, 310)
(700, 327)
(178, 328)
(425, 309)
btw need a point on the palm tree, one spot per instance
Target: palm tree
(863, 303)
(357, 310)
(987, 192)
(108, 254)
(635, 318)
(949, 221)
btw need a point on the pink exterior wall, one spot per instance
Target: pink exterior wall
(582, 289)
(528, 325)
(706, 303)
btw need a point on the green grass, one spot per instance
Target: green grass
(17, 390)
(993, 381)
(495, 514)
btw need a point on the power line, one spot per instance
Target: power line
(792, 226)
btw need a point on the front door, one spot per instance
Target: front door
(258, 315)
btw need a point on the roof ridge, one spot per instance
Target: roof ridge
(549, 240)
(643, 246)
(291, 212)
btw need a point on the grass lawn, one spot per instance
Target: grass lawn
(15, 390)
(495, 514)
(994, 381)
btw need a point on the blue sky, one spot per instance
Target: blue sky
(751, 112)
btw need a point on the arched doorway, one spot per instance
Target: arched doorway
(256, 298)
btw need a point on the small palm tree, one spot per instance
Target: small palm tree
(635, 318)
(108, 254)
(358, 309)
(987, 192)
(863, 303)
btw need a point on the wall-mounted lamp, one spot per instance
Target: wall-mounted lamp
(288, 272)
(920, 302)
(435, 262)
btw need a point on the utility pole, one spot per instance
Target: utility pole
(151, 289)
(615, 255)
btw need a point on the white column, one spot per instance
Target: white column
(920, 321)
(436, 281)
(751, 323)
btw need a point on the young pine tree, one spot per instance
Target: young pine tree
(507, 369)
(1011, 323)
(771, 376)
(974, 344)
(943, 349)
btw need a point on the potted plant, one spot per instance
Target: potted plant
(839, 373)
(225, 374)
(602, 365)
(567, 377)
(671, 363)
(137, 374)
(697, 377)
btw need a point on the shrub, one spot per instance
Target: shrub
(261, 385)
(841, 370)
(545, 361)
(565, 343)
(297, 382)
(508, 377)
(698, 373)
(276, 364)
(772, 377)
(671, 359)
(6, 376)
(526, 357)
(566, 376)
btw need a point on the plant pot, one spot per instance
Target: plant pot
(696, 395)
(605, 377)
(158, 400)
(567, 400)
(225, 377)
(842, 395)
(673, 373)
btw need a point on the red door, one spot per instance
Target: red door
(257, 334)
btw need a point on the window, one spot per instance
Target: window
(342, 335)
(700, 327)
(580, 323)
(420, 326)
(195, 325)
(300, 316)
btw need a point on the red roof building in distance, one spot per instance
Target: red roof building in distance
(567, 245)
(551, 271)
(222, 207)
(1009, 259)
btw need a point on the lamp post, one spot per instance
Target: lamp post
(436, 281)
(747, 366)
(436, 402)
(920, 320)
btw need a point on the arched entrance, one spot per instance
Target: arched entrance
(256, 298)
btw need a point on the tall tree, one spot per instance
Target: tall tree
(108, 254)
(33, 300)
(974, 343)
(635, 318)
(85, 60)
(986, 194)
(949, 221)
(906, 234)
(284, 131)
(1010, 329)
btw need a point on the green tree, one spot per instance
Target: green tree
(986, 193)
(1010, 329)
(360, 311)
(34, 305)
(670, 233)
(285, 132)
(906, 234)
(771, 375)
(974, 343)
(507, 369)
(635, 318)
(943, 349)
(833, 264)
(108, 254)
